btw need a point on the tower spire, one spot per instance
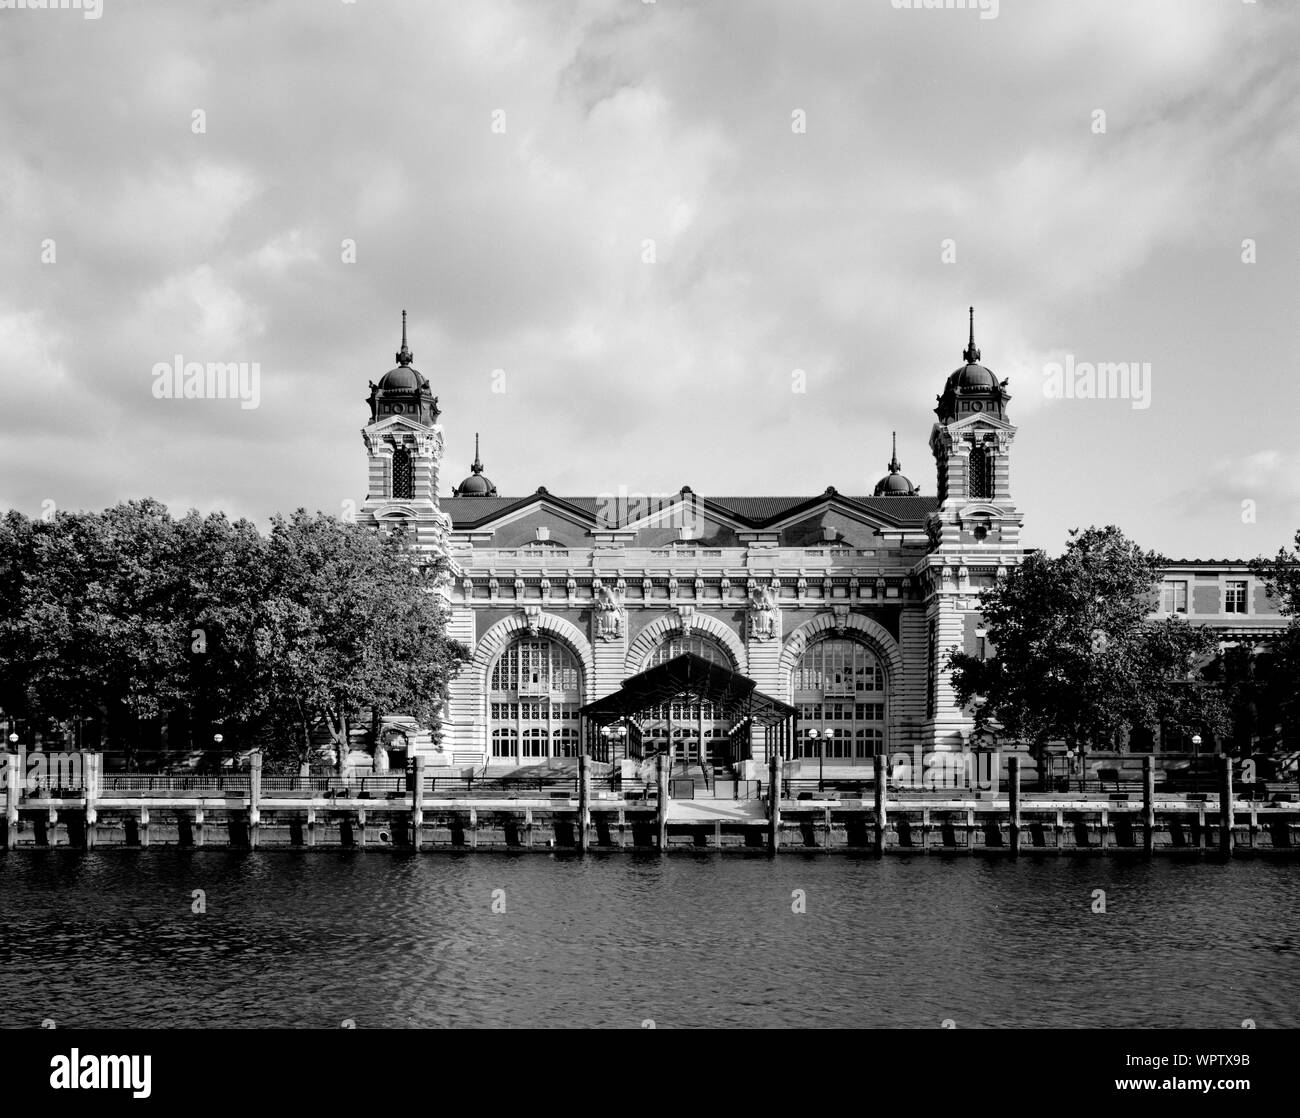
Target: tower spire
(894, 467)
(972, 354)
(477, 466)
(404, 355)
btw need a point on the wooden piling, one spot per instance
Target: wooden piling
(774, 804)
(198, 828)
(584, 801)
(1226, 819)
(254, 797)
(1013, 774)
(878, 765)
(1148, 805)
(417, 802)
(661, 807)
(13, 783)
(90, 783)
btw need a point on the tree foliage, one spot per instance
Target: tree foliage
(130, 616)
(1077, 657)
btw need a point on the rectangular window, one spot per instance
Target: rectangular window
(931, 684)
(1173, 597)
(1234, 597)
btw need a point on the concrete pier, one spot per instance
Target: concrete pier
(431, 813)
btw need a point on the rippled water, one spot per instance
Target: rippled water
(292, 939)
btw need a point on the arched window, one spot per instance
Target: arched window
(839, 686)
(534, 692)
(403, 475)
(981, 473)
(707, 647)
(694, 725)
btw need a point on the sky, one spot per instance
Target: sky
(646, 245)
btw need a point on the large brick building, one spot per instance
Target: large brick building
(841, 604)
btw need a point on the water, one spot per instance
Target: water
(383, 940)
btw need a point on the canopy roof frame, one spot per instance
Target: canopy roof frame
(689, 674)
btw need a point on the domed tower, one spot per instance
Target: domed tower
(404, 442)
(971, 443)
(894, 484)
(476, 485)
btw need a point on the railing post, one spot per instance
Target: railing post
(878, 765)
(254, 797)
(584, 800)
(1226, 819)
(1013, 774)
(661, 810)
(1148, 805)
(417, 802)
(774, 803)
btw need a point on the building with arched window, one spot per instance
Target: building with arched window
(842, 605)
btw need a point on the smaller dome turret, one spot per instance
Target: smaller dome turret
(894, 484)
(476, 485)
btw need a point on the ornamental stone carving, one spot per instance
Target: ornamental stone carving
(764, 616)
(611, 617)
(532, 619)
(686, 618)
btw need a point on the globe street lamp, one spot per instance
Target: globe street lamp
(813, 736)
(827, 735)
(1196, 760)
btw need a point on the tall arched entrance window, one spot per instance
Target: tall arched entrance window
(403, 475)
(981, 473)
(839, 685)
(534, 692)
(697, 729)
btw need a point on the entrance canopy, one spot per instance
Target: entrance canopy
(730, 692)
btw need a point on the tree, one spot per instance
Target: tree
(1277, 688)
(132, 619)
(1076, 657)
(350, 621)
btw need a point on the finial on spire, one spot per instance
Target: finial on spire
(972, 354)
(404, 355)
(894, 467)
(477, 466)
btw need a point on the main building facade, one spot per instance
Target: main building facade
(842, 605)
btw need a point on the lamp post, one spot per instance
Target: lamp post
(1196, 761)
(821, 783)
(812, 735)
(606, 733)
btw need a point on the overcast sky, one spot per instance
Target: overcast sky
(500, 168)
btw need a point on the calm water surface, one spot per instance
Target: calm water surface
(311, 939)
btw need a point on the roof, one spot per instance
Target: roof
(756, 512)
(688, 673)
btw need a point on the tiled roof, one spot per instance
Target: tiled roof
(906, 512)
